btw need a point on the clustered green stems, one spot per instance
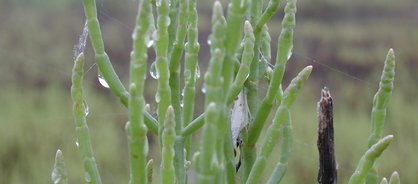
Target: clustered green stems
(237, 64)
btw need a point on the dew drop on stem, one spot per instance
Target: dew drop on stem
(86, 108)
(102, 81)
(153, 70)
(87, 177)
(203, 89)
(150, 42)
(157, 97)
(197, 72)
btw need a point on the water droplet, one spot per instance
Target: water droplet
(182, 92)
(187, 164)
(181, 105)
(157, 97)
(203, 89)
(56, 176)
(86, 108)
(153, 70)
(150, 42)
(87, 177)
(289, 54)
(209, 41)
(102, 81)
(148, 108)
(77, 144)
(197, 72)
(246, 77)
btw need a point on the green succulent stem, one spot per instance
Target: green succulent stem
(82, 130)
(162, 63)
(103, 61)
(135, 128)
(281, 127)
(380, 103)
(169, 136)
(368, 159)
(191, 72)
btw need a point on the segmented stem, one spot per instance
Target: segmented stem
(380, 103)
(136, 129)
(169, 136)
(281, 126)
(244, 69)
(161, 49)
(368, 159)
(205, 168)
(82, 130)
(103, 61)
(190, 72)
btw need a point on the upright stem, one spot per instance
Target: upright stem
(169, 136)
(368, 159)
(136, 129)
(281, 126)
(82, 130)
(380, 103)
(161, 49)
(191, 72)
(103, 61)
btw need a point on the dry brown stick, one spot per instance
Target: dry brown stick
(327, 173)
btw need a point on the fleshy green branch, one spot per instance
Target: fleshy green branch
(281, 126)
(59, 174)
(284, 52)
(136, 129)
(368, 159)
(205, 168)
(244, 69)
(103, 61)
(169, 136)
(380, 103)
(162, 64)
(82, 130)
(271, 9)
(175, 56)
(191, 72)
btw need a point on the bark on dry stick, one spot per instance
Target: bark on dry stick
(327, 173)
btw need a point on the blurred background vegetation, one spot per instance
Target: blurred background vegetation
(345, 41)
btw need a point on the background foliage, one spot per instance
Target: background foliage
(346, 41)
